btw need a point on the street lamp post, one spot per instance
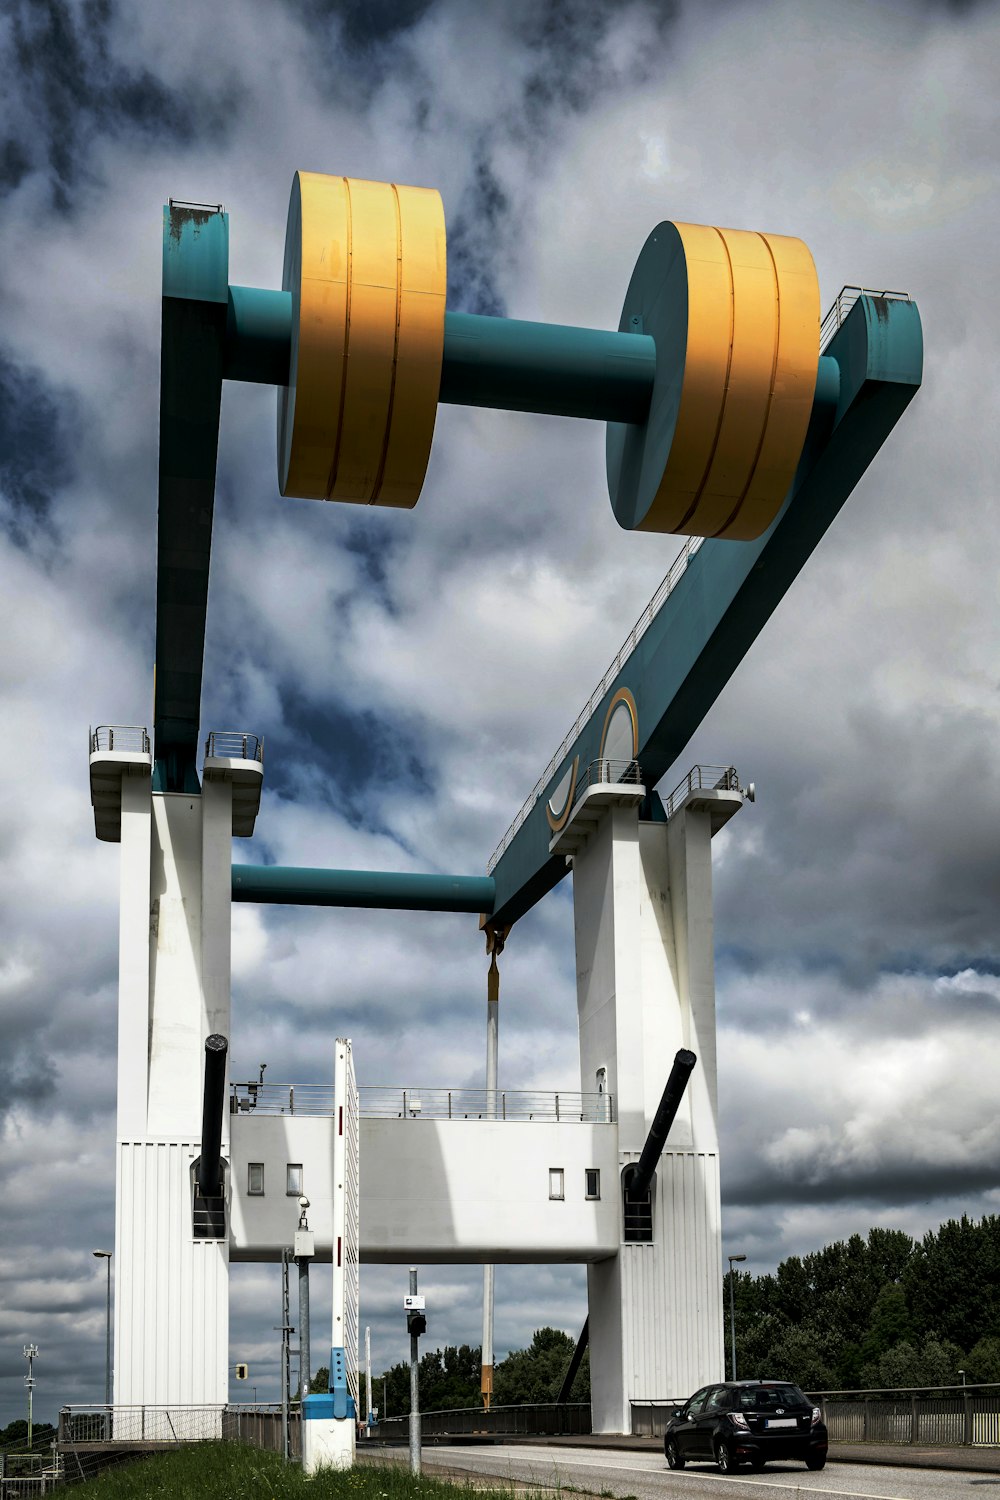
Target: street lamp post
(962, 1373)
(732, 1315)
(30, 1354)
(106, 1255)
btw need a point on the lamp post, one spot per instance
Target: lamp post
(962, 1373)
(30, 1354)
(106, 1255)
(732, 1315)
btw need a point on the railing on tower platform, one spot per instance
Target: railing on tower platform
(124, 738)
(234, 744)
(564, 1107)
(702, 779)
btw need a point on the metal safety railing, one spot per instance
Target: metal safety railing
(411, 1103)
(846, 298)
(256, 1424)
(234, 744)
(949, 1417)
(130, 738)
(674, 574)
(702, 779)
(608, 773)
(550, 1417)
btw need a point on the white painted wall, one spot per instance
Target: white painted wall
(433, 1190)
(171, 1291)
(645, 987)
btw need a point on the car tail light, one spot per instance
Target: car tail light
(739, 1420)
(817, 1415)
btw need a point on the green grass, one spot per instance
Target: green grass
(231, 1471)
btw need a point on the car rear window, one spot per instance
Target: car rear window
(769, 1397)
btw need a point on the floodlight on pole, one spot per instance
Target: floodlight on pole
(732, 1259)
(106, 1255)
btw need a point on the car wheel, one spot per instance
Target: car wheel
(723, 1458)
(674, 1460)
(819, 1462)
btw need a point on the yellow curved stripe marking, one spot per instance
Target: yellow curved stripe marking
(557, 821)
(622, 696)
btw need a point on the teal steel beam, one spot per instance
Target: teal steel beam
(546, 367)
(258, 335)
(504, 363)
(497, 362)
(192, 351)
(729, 590)
(286, 885)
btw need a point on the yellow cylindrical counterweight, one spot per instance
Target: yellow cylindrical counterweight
(735, 318)
(365, 263)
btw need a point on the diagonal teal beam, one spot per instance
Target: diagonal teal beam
(729, 590)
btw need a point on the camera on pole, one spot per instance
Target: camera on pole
(416, 1318)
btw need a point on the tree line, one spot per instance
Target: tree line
(450, 1377)
(877, 1312)
(865, 1313)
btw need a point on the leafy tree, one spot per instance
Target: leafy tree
(537, 1373)
(952, 1283)
(15, 1436)
(449, 1378)
(983, 1362)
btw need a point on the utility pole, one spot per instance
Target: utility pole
(30, 1354)
(286, 1331)
(417, 1324)
(495, 939)
(732, 1313)
(368, 1379)
(304, 1250)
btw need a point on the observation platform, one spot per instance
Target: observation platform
(120, 750)
(448, 1176)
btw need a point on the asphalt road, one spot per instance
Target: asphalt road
(646, 1477)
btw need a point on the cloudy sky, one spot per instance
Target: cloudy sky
(412, 672)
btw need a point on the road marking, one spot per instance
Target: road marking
(776, 1483)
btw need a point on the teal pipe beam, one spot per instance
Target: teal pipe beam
(258, 335)
(546, 367)
(288, 885)
(503, 363)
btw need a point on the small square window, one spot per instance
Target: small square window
(255, 1178)
(593, 1179)
(293, 1179)
(557, 1183)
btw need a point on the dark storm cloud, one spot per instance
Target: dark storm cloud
(26, 1079)
(69, 86)
(38, 429)
(891, 1186)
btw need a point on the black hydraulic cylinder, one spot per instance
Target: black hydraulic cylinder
(210, 1164)
(639, 1175)
(576, 1361)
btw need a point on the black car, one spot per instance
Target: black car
(746, 1421)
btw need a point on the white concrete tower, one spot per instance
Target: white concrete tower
(171, 1282)
(645, 987)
